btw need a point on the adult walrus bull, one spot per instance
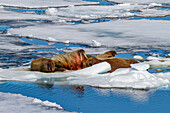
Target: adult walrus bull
(72, 60)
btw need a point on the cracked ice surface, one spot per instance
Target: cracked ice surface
(120, 33)
(140, 1)
(43, 3)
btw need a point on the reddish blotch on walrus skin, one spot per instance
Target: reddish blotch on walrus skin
(72, 60)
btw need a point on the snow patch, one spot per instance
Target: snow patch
(136, 77)
(17, 103)
(121, 33)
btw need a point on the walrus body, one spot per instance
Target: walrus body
(114, 62)
(71, 60)
(117, 63)
(43, 64)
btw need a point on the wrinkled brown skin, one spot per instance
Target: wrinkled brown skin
(43, 65)
(90, 61)
(115, 62)
(120, 63)
(106, 55)
(72, 60)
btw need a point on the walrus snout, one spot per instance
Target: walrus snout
(82, 54)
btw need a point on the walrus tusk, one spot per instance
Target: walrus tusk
(85, 55)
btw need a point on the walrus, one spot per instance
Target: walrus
(72, 60)
(114, 62)
(106, 55)
(43, 64)
(46, 65)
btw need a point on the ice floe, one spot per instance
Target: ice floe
(136, 77)
(158, 61)
(141, 1)
(44, 4)
(96, 12)
(15, 103)
(6, 15)
(120, 33)
(153, 13)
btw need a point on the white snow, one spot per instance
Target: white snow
(9, 44)
(17, 103)
(92, 70)
(136, 77)
(153, 13)
(138, 57)
(122, 33)
(158, 61)
(154, 61)
(95, 43)
(96, 12)
(43, 3)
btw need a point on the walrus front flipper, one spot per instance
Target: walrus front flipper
(106, 55)
(43, 65)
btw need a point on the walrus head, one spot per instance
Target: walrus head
(71, 60)
(106, 55)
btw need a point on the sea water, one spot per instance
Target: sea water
(43, 92)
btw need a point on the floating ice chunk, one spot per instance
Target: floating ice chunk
(51, 39)
(17, 103)
(47, 103)
(141, 50)
(153, 13)
(95, 69)
(168, 55)
(140, 66)
(157, 63)
(152, 58)
(155, 5)
(51, 11)
(95, 43)
(138, 57)
(67, 42)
